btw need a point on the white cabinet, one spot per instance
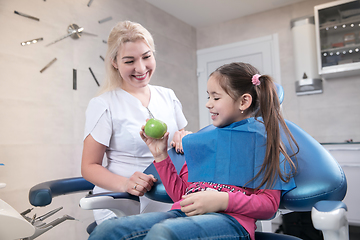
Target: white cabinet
(337, 25)
(348, 156)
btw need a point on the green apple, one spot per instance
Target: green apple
(155, 128)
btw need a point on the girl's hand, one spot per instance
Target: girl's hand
(177, 140)
(204, 202)
(139, 183)
(158, 147)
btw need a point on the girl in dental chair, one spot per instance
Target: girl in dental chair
(234, 173)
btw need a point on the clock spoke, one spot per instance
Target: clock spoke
(74, 79)
(89, 3)
(26, 15)
(25, 43)
(105, 19)
(48, 65)
(94, 77)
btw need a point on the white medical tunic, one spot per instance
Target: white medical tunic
(114, 119)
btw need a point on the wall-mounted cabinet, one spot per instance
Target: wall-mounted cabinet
(338, 38)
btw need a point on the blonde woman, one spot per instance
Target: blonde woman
(113, 118)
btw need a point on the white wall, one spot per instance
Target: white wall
(329, 117)
(42, 117)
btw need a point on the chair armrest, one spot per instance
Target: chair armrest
(122, 204)
(41, 194)
(158, 192)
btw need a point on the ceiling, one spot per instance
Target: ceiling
(202, 13)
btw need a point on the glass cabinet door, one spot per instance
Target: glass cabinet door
(338, 29)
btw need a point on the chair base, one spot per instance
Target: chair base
(273, 236)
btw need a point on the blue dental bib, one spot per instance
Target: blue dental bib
(231, 155)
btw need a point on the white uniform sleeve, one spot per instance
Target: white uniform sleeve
(98, 122)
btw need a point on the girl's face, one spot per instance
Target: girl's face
(223, 109)
(136, 64)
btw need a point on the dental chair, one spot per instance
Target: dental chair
(321, 187)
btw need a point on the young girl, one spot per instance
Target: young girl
(233, 173)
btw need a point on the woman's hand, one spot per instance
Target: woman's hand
(139, 183)
(93, 171)
(204, 202)
(177, 140)
(158, 147)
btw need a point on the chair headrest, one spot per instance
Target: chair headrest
(280, 92)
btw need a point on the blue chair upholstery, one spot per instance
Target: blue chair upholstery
(42, 194)
(319, 177)
(158, 192)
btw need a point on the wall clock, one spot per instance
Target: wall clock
(74, 37)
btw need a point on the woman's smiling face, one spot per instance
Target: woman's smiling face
(223, 109)
(136, 64)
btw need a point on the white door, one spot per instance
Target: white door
(262, 53)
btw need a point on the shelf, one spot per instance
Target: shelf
(338, 143)
(354, 48)
(338, 38)
(339, 25)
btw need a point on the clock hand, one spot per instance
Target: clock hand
(79, 30)
(91, 34)
(73, 27)
(74, 31)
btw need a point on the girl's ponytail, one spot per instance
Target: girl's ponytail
(269, 110)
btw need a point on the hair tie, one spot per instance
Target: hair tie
(255, 79)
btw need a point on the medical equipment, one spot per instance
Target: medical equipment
(15, 225)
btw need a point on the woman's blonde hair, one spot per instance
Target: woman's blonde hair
(123, 32)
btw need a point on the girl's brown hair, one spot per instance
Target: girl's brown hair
(236, 80)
